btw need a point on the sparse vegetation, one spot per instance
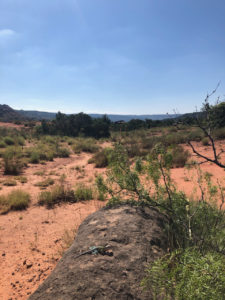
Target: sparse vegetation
(85, 145)
(16, 200)
(82, 193)
(45, 183)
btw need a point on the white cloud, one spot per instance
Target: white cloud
(6, 33)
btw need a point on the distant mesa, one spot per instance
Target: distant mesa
(7, 114)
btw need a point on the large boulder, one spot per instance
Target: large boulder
(136, 237)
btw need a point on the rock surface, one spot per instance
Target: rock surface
(136, 237)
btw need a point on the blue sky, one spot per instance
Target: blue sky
(111, 56)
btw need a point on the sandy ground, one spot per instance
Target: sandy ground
(32, 241)
(10, 125)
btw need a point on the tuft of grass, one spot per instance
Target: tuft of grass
(39, 173)
(63, 152)
(12, 160)
(58, 194)
(34, 158)
(9, 182)
(179, 156)
(85, 145)
(16, 200)
(9, 141)
(82, 193)
(45, 183)
(205, 141)
(67, 240)
(100, 159)
(21, 179)
(2, 144)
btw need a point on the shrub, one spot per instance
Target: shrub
(9, 182)
(63, 152)
(195, 135)
(58, 194)
(9, 141)
(187, 275)
(179, 156)
(205, 141)
(100, 159)
(219, 133)
(12, 160)
(83, 193)
(85, 145)
(16, 200)
(21, 179)
(35, 158)
(20, 141)
(45, 183)
(2, 144)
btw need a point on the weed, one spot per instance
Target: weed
(9, 182)
(58, 194)
(85, 145)
(45, 183)
(82, 193)
(16, 200)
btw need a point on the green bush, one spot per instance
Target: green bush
(45, 183)
(58, 194)
(9, 182)
(85, 145)
(16, 200)
(21, 179)
(9, 141)
(63, 152)
(187, 274)
(20, 141)
(219, 133)
(179, 156)
(205, 141)
(100, 159)
(34, 158)
(12, 160)
(2, 144)
(83, 193)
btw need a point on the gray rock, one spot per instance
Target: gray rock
(136, 237)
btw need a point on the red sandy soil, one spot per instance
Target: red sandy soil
(31, 241)
(10, 125)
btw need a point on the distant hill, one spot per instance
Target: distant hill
(7, 114)
(39, 115)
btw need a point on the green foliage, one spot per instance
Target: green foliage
(58, 194)
(219, 133)
(9, 182)
(12, 161)
(16, 200)
(179, 156)
(187, 274)
(9, 141)
(100, 159)
(82, 193)
(21, 179)
(34, 158)
(2, 144)
(76, 125)
(85, 145)
(63, 152)
(45, 183)
(205, 141)
(198, 225)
